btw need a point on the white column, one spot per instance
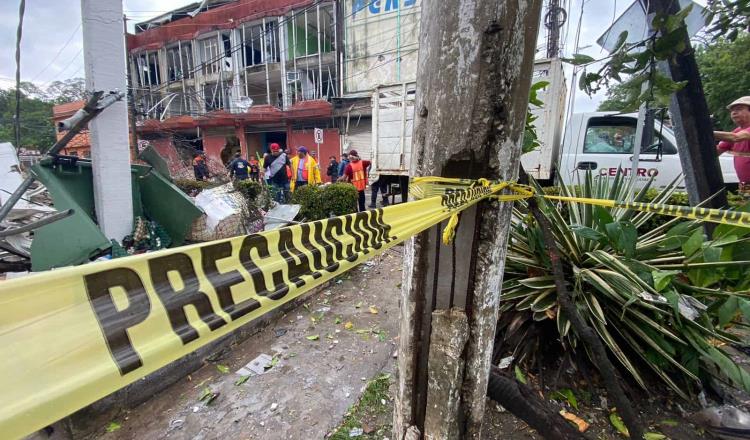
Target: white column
(104, 58)
(283, 56)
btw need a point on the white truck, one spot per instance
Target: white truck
(603, 142)
(392, 127)
(600, 142)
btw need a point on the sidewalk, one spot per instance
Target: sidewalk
(307, 392)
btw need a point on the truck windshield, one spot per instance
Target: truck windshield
(609, 135)
(616, 135)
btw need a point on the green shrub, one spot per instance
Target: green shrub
(248, 188)
(193, 187)
(320, 202)
(340, 198)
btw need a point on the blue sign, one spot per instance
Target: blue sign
(380, 6)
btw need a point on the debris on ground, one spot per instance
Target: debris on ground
(257, 366)
(224, 215)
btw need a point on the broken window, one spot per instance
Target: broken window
(213, 96)
(180, 62)
(309, 28)
(153, 68)
(147, 66)
(259, 46)
(210, 53)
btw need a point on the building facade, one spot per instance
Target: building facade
(237, 76)
(228, 76)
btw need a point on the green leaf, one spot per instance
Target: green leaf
(588, 233)
(544, 282)
(602, 217)
(628, 239)
(744, 308)
(241, 380)
(663, 278)
(711, 254)
(618, 424)
(621, 40)
(654, 436)
(728, 310)
(567, 395)
(223, 369)
(113, 426)
(519, 375)
(669, 422)
(694, 243)
(533, 95)
(312, 337)
(579, 59)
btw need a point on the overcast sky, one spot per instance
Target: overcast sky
(52, 44)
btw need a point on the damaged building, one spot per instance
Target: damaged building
(237, 77)
(234, 76)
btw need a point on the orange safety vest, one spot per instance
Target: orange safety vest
(302, 163)
(359, 178)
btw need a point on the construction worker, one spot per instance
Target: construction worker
(305, 169)
(239, 168)
(356, 173)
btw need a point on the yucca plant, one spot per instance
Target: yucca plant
(660, 301)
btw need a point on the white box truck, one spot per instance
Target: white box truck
(600, 142)
(393, 124)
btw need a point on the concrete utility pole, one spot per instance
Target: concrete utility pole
(691, 121)
(473, 80)
(104, 57)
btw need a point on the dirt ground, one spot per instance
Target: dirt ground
(326, 352)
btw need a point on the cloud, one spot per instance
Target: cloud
(48, 25)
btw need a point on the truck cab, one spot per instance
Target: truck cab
(602, 142)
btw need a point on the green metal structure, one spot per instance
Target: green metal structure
(77, 239)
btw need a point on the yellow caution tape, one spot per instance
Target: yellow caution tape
(72, 336)
(69, 337)
(734, 218)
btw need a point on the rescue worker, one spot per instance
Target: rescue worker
(356, 173)
(275, 166)
(200, 169)
(737, 142)
(239, 168)
(305, 169)
(254, 169)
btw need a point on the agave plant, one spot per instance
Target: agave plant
(659, 300)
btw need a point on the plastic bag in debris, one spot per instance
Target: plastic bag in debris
(226, 215)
